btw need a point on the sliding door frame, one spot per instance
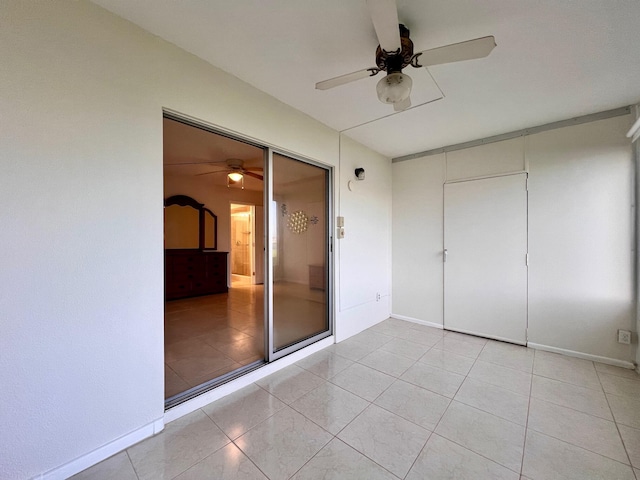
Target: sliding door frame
(269, 215)
(269, 356)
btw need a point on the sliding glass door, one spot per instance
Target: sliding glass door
(249, 282)
(299, 245)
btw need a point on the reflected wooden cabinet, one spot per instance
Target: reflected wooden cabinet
(189, 224)
(189, 273)
(191, 233)
(317, 277)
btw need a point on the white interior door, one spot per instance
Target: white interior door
(485, 269)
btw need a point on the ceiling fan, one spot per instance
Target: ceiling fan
(395, 52)
(236, 170)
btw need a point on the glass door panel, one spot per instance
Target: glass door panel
(299, 251)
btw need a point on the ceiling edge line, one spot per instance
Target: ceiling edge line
(592, 117)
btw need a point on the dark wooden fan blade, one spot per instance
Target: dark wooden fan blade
(209, 173)
(254, 175)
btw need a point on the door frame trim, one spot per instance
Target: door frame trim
(485, 177)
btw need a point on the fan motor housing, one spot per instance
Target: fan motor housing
(395, 61)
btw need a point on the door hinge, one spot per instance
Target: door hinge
(526, 259)
(527, 183)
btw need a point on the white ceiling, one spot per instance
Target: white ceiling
(555, 59)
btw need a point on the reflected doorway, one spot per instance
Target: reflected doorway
(242, 244)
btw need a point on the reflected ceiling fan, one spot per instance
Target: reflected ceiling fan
(236, 171)
(395, 52)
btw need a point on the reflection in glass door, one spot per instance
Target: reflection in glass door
(299, 254)
(277, 258)
(242, 244)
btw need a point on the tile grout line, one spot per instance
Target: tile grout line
(433, 432)
(335, 437)
(362, 453)
(583, 448)
(248, 457)
(233, 441)
(451, 400)
(421, 450)
(578, 446)
(212, 453)
(454, 396)
(617, 426)
(526, 423)
(132, 465)
(370, 403)
(568, 383)
(572, 409)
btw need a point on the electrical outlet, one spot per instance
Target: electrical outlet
(377, 297)
(624, 336)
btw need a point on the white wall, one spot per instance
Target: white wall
(81, 189)
(581, 238)
(417, 239)
(364, 254)
(636, 152)
(580, 232)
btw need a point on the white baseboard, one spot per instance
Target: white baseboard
(585, 356)
(102, 453)
(417, 320)
(243, 381)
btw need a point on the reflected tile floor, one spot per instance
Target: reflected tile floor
(406, 401)
(209, 336)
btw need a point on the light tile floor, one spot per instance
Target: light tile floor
(405, 401)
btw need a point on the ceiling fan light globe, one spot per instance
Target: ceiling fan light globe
(235, 176)
(393, 88)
